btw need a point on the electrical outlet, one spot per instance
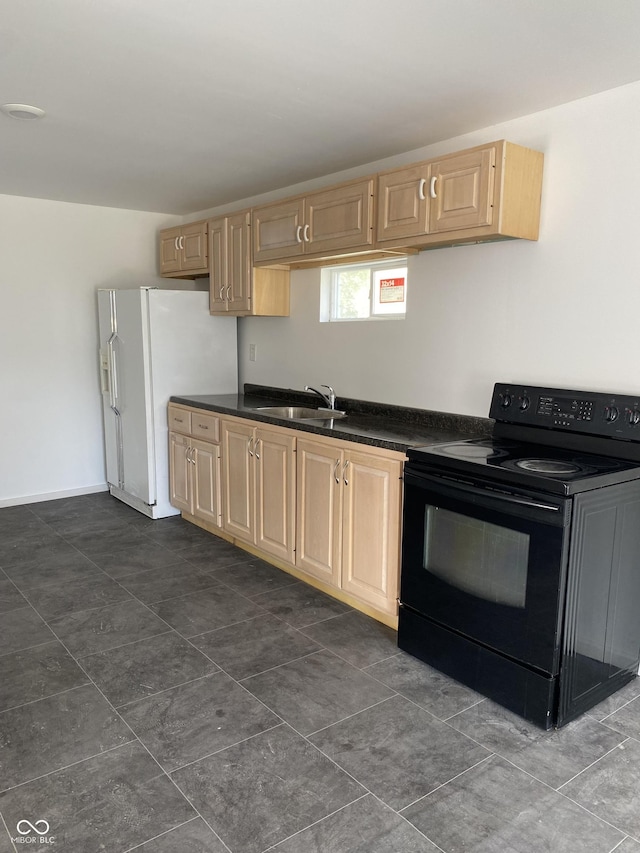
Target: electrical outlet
(252, 352)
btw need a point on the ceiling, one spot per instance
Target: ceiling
(183, 106)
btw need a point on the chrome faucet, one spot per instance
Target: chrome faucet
(329, 399)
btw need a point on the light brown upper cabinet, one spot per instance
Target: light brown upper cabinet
(484, 193)
(336, 221)
(235, 288)
(183, 251)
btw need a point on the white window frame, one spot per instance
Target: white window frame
(329, 290)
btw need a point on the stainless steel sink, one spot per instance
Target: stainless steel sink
(300, 413)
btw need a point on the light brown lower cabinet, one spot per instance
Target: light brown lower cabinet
(259, 486)
(348, 519)
(194, 479)
(194, 463)
(328, 509)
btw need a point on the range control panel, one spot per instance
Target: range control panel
(591, 412)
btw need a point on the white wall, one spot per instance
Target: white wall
(54, 257)
(563, 311)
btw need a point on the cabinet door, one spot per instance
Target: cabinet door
(403, 203)
(277, 231)
(238, 263)
(463, 188)
(318, 510)
(371, 529)
(194, 246)
(217, 265)
(275, 493)
(180, 472)
(206, 481)
(170, 254)
(238, 441)
(339, 218)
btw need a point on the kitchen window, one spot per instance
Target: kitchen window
(365, 291)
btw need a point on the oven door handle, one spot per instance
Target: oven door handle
(439, 481)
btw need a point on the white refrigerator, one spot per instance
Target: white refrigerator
(154, 344)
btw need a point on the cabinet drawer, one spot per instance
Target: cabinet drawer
(205, 426)
(179, 420)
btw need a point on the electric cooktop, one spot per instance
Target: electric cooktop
(551, 469)
(550, 439)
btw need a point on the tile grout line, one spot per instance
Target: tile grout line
(49, 696)
(28, 648)
(126, 705)
(624, 705)
(122, 645)
(162, 834)
(566, 796)
(315, 823)
(279, 666)
(228, 746)
(414, 827)
(180, 791)
(444, 784)
(351, 716)
(625, 739)
(383, 660)
(70, 764)
(9, 836)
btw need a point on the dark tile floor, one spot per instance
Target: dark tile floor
(161, 690)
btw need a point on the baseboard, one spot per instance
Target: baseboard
(52, 496)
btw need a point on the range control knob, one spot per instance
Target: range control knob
(633, 417)
(525, 402)
(505, 400)
(611, 414)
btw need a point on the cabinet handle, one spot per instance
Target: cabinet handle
(432, 187)
(421, 187)
(335, 471)
(221, 295)
(228, 292)
(250, 446)
(299, 234)
(257, 446)
(175, 243)
(182, 242)
(344, 472)
(306, 233)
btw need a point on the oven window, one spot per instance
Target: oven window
(483, 559)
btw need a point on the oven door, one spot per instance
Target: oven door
(486, 564)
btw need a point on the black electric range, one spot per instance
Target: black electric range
(521, 552)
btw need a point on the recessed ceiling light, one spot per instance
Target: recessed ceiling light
(22, 111)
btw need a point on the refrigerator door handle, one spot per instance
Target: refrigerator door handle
(105, 382)
(113, 386)
(112, 374)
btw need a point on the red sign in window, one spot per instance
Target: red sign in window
(391, 290)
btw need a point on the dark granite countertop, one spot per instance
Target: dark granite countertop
(376, 424)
